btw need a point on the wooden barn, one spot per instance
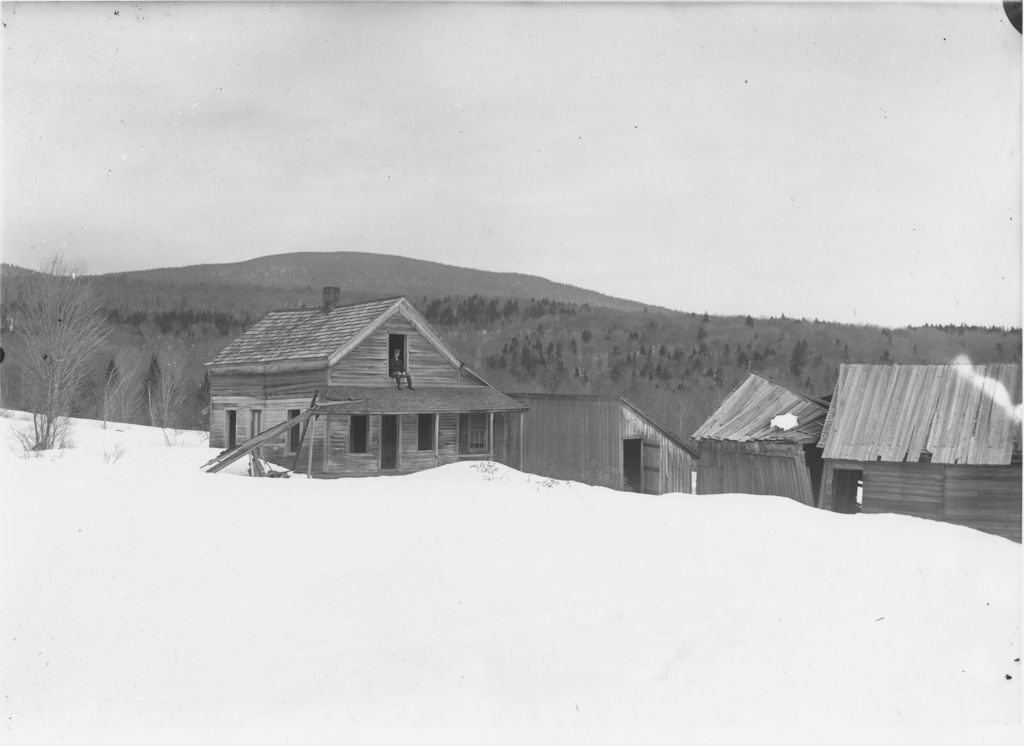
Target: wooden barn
(935, 441)
(762, 440)
(602, 440)
(363, 424)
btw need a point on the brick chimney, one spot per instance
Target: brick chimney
(332, 297)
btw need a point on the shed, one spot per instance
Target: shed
(762, 440)
(363, 423)
(934, 441)
(602, 440)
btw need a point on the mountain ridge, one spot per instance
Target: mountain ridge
(364, 274)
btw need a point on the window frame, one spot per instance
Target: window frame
(365, 419)
(293, 438)
(429, 431)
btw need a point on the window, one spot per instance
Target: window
(478, 431)
(425, 439)
(358, 432)
(294, 432)
(396, 342)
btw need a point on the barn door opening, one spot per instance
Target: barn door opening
(652, 467)
(388, 441)
(232, 427)
(632, 464)
(846, 490)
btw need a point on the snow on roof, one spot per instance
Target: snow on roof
(747, 414)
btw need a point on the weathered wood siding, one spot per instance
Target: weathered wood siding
(754, 469)
(675, 464)
(580, 439)
(367, 363)
(341, 463)
(274, 412)
(259, 385)
(907, 489)
(508, 435)
(987, 498)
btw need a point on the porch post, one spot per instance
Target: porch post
(312, 440)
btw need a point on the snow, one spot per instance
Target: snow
(145, 601)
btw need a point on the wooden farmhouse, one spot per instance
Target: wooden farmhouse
(364, 424)
(602, 440)
(935, 441)
(762, 440)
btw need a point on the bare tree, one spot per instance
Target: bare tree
(122, 386)
(168, 385)
(63, 331)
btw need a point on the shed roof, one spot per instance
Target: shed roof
(391, 400)
(959, 414)
(747, 413)
(303, 334)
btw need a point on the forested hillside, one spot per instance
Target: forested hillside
(677, 366)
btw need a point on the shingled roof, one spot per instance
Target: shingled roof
(303, 334)
(959, 414)
(747, 413)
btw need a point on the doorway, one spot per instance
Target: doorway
(632, 464)
(388, 442)
(846, 489)
(232, 427)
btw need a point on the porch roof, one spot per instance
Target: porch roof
(391, 400)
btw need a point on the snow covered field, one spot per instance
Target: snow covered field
(144, 601)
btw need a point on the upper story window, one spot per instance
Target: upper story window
(398, 343)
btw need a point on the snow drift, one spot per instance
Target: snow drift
(145, 601)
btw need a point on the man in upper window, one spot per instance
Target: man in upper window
(396, 369)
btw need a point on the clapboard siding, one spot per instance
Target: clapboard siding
(367, 363)
(339, 460)
(580, 438)
(907, 489)
(260, 385)
(447, 437)
(410, 457)
(986, 498)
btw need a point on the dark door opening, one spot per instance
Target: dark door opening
(815, 465)
(232, 425)
(632, 464)
(388, 441)
(846, 488)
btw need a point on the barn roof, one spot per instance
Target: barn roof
(957, 414)
(391, 400)
(747, 413)
(303, 334)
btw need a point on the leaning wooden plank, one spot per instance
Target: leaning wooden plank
(230, 456)
(305, 426)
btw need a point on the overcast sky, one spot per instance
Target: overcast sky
(855, 163)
